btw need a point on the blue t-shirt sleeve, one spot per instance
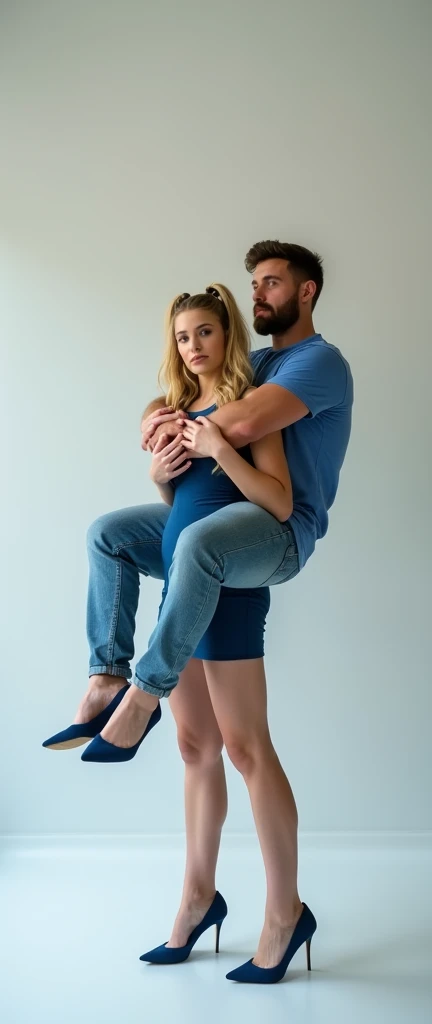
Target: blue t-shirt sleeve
(316, 375)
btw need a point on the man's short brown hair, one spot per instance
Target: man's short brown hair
(304, 264)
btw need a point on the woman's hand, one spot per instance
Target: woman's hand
(168, 461)
(202, 437)
(161, 421)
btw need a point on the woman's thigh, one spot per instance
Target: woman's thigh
(193, 712)
(238, 694)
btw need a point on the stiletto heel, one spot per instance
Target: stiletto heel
(215, 915)
(218, 929)
(76, 735)
(303, 932)
(308, 956)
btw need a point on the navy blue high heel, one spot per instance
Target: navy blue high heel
(216, 915)
(102, 751)
(76, 735)
(303, 932)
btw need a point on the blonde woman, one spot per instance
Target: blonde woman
(221, 696)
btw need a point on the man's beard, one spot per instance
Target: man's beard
(281, 319)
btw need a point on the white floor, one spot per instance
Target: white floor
(75, 916)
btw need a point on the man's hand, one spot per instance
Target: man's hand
(203, 438)
(169, 430)
(168, 460)
(160, 421)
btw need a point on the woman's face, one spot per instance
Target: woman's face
(200, 340)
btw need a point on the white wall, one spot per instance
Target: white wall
(146, 147)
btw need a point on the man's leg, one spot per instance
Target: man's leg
(121, 546)
(241, 545)
(238, 546)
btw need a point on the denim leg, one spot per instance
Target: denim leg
(121, 545)
(238, 546)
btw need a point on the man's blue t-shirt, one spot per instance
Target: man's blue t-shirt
(315, 446)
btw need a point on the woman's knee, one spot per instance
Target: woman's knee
(247, 753)
(199, 749)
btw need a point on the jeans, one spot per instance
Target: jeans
(241, 545)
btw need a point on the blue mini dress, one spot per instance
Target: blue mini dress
(237, 628)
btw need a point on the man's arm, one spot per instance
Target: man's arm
(266, 409)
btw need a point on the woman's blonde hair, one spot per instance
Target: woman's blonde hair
(180, 384)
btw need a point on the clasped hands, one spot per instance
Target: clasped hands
(170, 436)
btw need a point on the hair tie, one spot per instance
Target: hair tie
(181, 298)
(213, 291)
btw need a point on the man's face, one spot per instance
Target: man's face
(275, 297)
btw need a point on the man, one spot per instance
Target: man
(304, 388)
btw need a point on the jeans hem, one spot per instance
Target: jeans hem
(110, 670)
(155, 691)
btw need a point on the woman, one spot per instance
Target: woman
(221, 696)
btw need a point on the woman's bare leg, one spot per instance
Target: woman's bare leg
(200, 745)
(238, 694)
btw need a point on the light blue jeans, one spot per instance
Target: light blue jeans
(238, 546)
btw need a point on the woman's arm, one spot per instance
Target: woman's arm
(166, 492)
(168, 462)
(268, 482)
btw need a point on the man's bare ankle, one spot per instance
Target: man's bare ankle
(102, 682)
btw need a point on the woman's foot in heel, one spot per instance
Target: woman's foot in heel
(176, 954)
(274, 939)
(191, 913)
(302, 933)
